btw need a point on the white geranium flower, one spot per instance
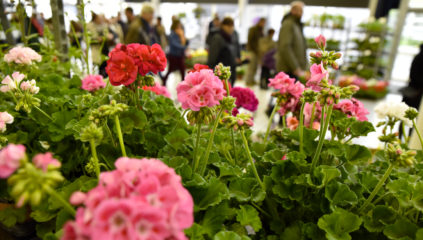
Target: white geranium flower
(393, 109)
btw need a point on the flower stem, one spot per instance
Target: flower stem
(60, 199)
(404, 133)
(119, 132)
(313, 111)
(418, 132)
(44, 113)
(94, 153)
(202, 168)
(233, 144)
(377, 188)
(325, 122)
(301, 127)
(195, 159)
(250, 158)
(270, 122)
(284, 121)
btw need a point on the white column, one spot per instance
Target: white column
(156, 5)
(373, 7)
(242, 7)
(402, 14)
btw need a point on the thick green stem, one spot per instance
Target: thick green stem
(301, 127)
(404, 133)
(233, 144)
(313, 111)
(250, 158)
(119, 132)
(418, 132)
(94, 153)
(195, 159)
(275, 109)
(60, 199)
(325, 122)
(377, 188)
(44, 113)
(284, 121)
(203, 165)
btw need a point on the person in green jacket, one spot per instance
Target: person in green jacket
(291, 54)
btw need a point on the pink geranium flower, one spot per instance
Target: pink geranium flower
(22, 55)
(5, 118)
(292, 123)
(45, 161)
(200, 89)
(245, 98)
(11, 83)
(318, 72)
(10, 158)
(93, 82)
(141, 199)
(157, 89)
(281, 82)
(320, 41)
(352, 108)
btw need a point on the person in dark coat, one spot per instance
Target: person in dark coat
(223, 48)
(177, 46)
(412, 94)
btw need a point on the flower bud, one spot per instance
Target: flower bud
(411, 113)
(320, 41)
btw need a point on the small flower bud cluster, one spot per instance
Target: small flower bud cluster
(309, 96)
(23, 91)
(326, 58)
(240, 121)
(146, 80)
(112, 109)
(331, 94)
(411, 113)
(222, 72)
(228, 103)
(92, 132)
(204, 116)
(397, 155)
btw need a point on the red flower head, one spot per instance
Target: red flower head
(121, 68)
(198, 67)
(153, 59)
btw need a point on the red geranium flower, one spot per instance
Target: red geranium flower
(153, 59)
(121, 68)
(198, 67)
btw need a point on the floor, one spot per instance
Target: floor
(261, 119)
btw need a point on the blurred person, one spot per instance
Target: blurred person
(161, 33)
(267, 55)
(254, 35)
(412, 94)
(129, 13)
(102, 38)
(122, 24)
(116, 28)
(177, 46)
(214, 27)
(140, 30)
(291, 54)
(215, 23)
(224, 48)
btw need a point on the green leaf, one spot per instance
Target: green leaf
(417, 198)
(292, 232)
(246, 189)
(357, 153)
(177, 138)
(215, 217)
(248, 215)
(325, 174)
(340, 194)
(9, 216)
(62, 217)
(339, 224)
(196, 231)
(402, 189)
(401, 229)
(362, 128)
(210, 194)
(419, 234)
(274, 155)
(380, 217)
(229, 235)
(41, 215)
(226, 169)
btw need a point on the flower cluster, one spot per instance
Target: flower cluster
(309, 114)
(372, 84)
(141, 199)
(289, 92)
(318, 73)
(15, 82)
(22, 55)
(45, 161)
(5, 118)
(200, 89)
(394, 110)
(198, 67)
(397, 155)
(126, 61)
(352, 108)
(10, 158)
(157, 89)
(245, 98)
(93, 82)
(241, 120)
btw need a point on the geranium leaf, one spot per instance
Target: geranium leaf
(339, 224)
(248, 216)
(401, 229)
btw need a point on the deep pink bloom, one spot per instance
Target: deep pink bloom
(10, 157)
(235, 111)
(321, 41)
(157, 89)
(318, 72)
(200, 89)
(245, 98)
(45, 160)
(281, 82)
(292, 123)
(296, 89)
(93, 82)
(141, 199)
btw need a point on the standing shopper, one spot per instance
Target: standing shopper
(140, 30)
(254, 35)
(267, 56)
(224, 47)
(177, 46)
(291, 54)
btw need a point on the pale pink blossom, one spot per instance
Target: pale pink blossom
(10, 158)
(93, 82)
(352, 108)
(45, 161)
(200, 89)
(77, 198)
(22, 55)
(30, 86)
(281, 82)
(5, 118)
(11, 83)
(318, 72)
